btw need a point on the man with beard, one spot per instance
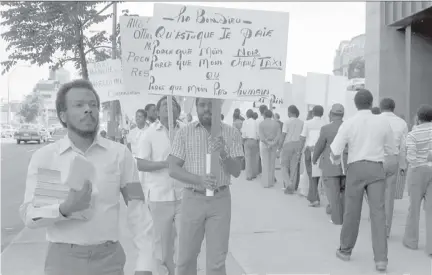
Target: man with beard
(201, 214)
(150, 110)
(78, 246)
(163, 192)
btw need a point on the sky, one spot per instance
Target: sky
(315, 31)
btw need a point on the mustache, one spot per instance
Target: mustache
(88, 117)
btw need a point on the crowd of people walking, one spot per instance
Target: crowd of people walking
(161, 175)
(362, 157)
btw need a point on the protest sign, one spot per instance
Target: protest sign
(136, 44)
(106, 78)
(218, 53)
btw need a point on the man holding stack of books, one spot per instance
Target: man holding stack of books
(73, 188)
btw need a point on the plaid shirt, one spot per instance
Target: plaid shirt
(191, 145)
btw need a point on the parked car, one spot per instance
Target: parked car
(58, 134)
(28, 132)
(7, 131)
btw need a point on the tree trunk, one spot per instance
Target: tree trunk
(83, 61)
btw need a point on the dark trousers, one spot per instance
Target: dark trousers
(335, 189)
(313, 194)
(370, 177)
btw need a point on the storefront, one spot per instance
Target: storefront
(398, 53)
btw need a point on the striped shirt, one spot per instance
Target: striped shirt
(419, 145)
(191, 145)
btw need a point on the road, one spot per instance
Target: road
(14, 161)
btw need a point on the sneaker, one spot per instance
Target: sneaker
(343, 256)
(381, 266)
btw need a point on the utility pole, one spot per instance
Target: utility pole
(112, 121)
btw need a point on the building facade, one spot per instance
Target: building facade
(398, 53)
(47, 91)
(349, 58)
(61, 75)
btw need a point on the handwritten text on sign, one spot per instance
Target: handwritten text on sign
(136, 47)
(106, 77)
(218, 53)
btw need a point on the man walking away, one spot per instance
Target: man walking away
(309, 137)
(277, 118)
(333, 175)
(269, 133)
(251, 146)
(368, 137)
(419, 156)
(259, 119)
(290, 149)
(376, 111)
(76, 246)
(391, 162)
(164, 193)
(201, 214)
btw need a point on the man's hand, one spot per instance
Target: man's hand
(209, 181)
(217, 144)
(77, 200)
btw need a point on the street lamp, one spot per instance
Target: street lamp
(8, 83)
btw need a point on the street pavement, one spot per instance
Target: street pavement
(271, 233)
(14, 162)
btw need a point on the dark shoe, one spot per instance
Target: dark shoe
(343, 256)
(409, 247)
(328, 209)
(248, 179)
(381, 266)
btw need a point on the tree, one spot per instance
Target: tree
(31, 108)
(52, 32)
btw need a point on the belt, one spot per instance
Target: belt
(370, 161)
(87, 246)
(203, 192)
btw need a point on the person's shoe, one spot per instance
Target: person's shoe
(328, 209)
(343, 256)
(381, 266)
(409, 247)
(248, 179)
(314, 204)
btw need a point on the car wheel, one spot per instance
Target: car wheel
(18, 141)
(39, 141)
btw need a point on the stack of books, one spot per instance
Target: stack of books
(49, 189)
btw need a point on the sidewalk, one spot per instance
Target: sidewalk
(271, 233)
